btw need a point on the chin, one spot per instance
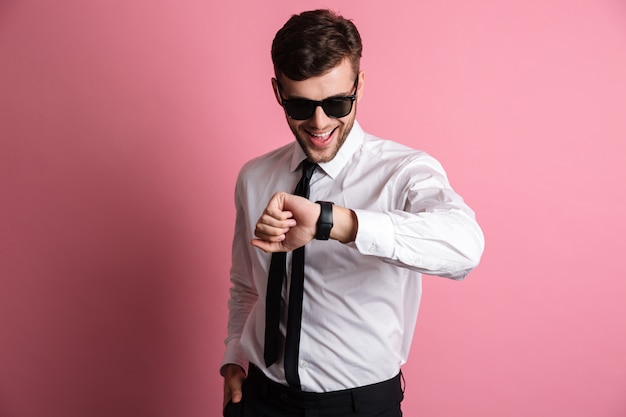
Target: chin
(326, 153)
(317, 156)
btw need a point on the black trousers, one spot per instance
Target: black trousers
(263, 397)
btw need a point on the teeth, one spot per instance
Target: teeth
(322, 135)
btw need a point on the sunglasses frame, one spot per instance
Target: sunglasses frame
(319, 103)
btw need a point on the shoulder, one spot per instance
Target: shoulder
(391, 151)
(399, 163)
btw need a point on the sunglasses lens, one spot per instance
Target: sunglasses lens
(300, 109)
(337, 107)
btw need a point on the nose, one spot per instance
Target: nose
(319, 118)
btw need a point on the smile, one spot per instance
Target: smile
(321, 139)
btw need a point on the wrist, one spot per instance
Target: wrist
(345, 225)
(230, 369)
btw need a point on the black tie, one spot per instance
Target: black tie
(273, 298)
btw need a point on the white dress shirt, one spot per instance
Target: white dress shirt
(360, 299)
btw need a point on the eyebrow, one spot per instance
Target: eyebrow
(280, 89)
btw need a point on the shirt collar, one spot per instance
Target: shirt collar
(332, 168)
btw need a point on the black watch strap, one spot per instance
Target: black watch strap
(325, 221)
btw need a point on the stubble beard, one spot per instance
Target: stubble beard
(314, 156)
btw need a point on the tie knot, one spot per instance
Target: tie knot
(307, 169)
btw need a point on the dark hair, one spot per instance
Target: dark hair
(312, 43)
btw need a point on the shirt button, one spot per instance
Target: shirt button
(303, 364)
(372, 248)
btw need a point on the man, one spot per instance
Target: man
(379, 214)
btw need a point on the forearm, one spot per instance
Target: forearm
(239, 310)
(440, 239)
(243, 293)
(448, 243)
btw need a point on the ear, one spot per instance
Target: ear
(361, 87)
(277, 92)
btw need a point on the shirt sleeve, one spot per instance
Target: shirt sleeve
(243, 293)
(425, 226)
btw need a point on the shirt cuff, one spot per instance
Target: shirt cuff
(375, 235)
(233, 355)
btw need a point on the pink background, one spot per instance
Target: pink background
(124, 123)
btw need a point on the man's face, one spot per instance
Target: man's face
(321, 136)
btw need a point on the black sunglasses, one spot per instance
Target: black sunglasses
(335, 107)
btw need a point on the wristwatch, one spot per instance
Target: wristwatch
(325, 221)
